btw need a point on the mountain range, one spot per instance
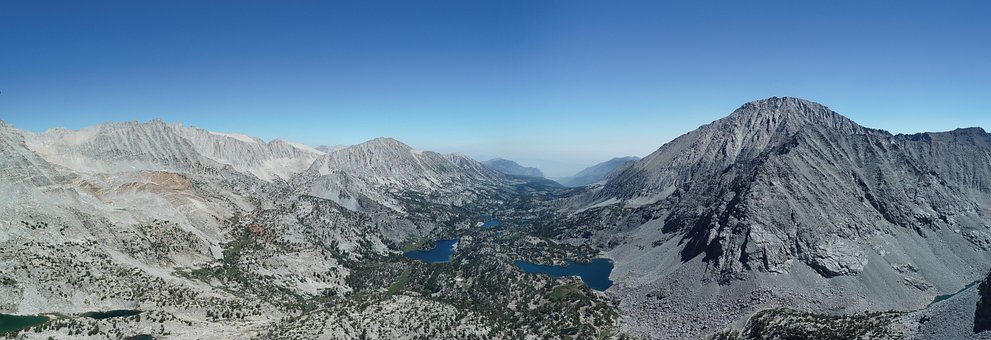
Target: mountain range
(597, 172)
(792, 204)
(782, 218)
(512, 168)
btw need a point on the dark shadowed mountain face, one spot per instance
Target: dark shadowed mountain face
(786, 179)
(982, 316)
(596, 172)
(512, 168)
(786, 201)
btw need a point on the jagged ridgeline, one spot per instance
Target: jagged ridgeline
(788, 203)
(782, 219)
(199, 234)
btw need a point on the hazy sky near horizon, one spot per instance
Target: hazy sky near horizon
(556, 84)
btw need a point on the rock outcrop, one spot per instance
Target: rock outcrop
(384, 171)
(222, 235)
(268, 161)
(982, 315)
(787, 203)
(785, 179)
(157, 146)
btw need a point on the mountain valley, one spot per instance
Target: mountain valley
(784, 219)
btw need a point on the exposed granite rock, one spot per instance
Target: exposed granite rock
(384, 171)
(786, 179)
(787, 195)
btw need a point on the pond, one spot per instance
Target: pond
(116, 313)
(10, 323)
(140, 337)
(441, 253)
(594, 274)
(947, 296)
(491, 224)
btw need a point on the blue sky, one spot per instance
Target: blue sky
(557, 84)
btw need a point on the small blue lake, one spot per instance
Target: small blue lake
(441, 253)
(594, 274)
(947, 296)
(491, 224)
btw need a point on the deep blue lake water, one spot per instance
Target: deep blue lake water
(441, 253)
(594, 274)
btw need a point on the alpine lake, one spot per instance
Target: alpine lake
(594, 274)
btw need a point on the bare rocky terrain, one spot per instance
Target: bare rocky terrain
(215, 235)
(782, 220)
(785, 203)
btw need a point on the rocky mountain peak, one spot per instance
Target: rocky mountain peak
(782, 103)
(19, 167)
(749, 132)
(381, 169)
(789, 114)
(6, 130)
(385, 155)
(156, 145)
(385, 142)
(970, 130)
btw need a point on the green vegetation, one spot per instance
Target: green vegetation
(400, 283)
(564, 292)
(418, 244)
(307, 260)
